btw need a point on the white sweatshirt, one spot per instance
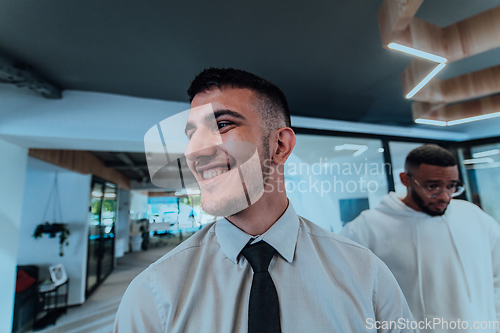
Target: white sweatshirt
(448, 267)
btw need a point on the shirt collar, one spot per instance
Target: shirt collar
(282, 236)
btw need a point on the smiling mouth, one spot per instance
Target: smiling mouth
(214, 172)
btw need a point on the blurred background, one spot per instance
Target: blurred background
(81, 82)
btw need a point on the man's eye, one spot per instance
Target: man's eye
(432, 187)
(222, 124)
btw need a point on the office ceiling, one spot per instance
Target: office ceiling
(325, 55)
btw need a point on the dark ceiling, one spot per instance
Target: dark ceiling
(131, 165)
(326, 55)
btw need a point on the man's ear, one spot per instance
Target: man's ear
(405, 179)
(284, 141)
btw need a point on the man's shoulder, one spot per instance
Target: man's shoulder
(187, 248)
(368, 219)
(462, 211)
(469, 210)
(463, 203)
(344, 254)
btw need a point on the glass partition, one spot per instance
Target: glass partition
(102, 218)
(399, 151)
(330, 180)
(481, 164)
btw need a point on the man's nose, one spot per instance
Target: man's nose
(203, 143)
(444, 195)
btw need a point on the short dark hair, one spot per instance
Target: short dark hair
(274, 107)
(429, 154)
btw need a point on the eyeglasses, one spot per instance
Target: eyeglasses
(434, 190)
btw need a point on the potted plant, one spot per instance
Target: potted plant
(52, 229)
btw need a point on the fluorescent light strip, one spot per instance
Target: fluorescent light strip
(360, 149)
(418, 53)
(470, 119)
(421, 54)
(479, 160)
(426, 80)
(430, 122)
(484, 166)
(486, 153)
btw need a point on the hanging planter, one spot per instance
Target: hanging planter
(52, 229)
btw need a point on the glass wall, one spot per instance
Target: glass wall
(330, 180)
(180, 211)
(102, 218)
(481, 165)
(399, 151)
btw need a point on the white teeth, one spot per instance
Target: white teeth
(207, 174)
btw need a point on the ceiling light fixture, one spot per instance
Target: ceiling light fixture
(417, 53)
(425, 80)
(471, 119)
(421, 54)
(479, 160)
(430, 122)
(486, 153)
(457, 121)
(360, 149)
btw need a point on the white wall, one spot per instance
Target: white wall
(12, 177)
(74, 190)
(80, 120)
(138, 204)
(122, 224)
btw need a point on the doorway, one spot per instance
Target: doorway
(101, 241)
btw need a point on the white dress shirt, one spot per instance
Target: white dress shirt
(325, 283)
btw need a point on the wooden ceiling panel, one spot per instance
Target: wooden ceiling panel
(474, 35)
(447, 113)
(395, 16)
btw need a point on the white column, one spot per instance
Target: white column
(122, 223)
(12, 174)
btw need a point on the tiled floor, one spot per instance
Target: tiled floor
(97, 314)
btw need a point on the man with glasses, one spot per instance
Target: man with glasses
(444, 253)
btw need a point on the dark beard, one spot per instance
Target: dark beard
(235, 204)
(420, 203)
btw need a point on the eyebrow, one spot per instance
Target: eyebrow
(217, 114)
(439, 181)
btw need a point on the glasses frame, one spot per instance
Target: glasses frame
(440, 189)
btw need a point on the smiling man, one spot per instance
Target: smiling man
(261, 268)
(445, 253)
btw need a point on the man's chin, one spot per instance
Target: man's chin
(224, 206)
(433, 212)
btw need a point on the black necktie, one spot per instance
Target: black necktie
(263, 308)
